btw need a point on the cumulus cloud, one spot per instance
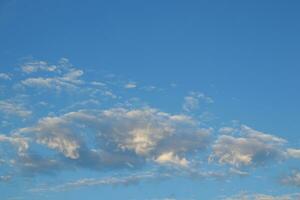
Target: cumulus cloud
(250, 148)
(193, 100)
(120, 137)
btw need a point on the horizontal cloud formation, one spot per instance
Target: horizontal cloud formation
(58, 120)
(246, 196)
(116, 137)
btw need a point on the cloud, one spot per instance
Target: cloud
(293, 179)
(250, 148)
(9, 107)
(170, 158)
(246, 196)
(120, 137)
(5, 178)
(193, 100)
(20, 143)
(130, 85)
(5, 76)
(65, 76)
(293, 153)
(112, 181)
(35, 66)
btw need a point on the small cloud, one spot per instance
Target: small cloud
(251, 148)
(293, 179)
(170, 158)
(5, 76)
(97, 83)
(130, 85)
(35, 66)
(125, 180)
(67, 77)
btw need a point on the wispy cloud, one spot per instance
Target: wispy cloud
(193, 101)
(112, 181)
(9, 107)
(250, 148)
(247, 196)
(292, 179)
(5, 76)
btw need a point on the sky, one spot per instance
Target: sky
(149, 100)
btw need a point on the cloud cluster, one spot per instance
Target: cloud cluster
(119, 137)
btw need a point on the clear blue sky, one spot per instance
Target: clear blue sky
(149, 100)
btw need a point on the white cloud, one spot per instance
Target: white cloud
(9, 107)
(246, 196)
(293, 153)
(55, 134)
(193, 100)
(130, 85)
(293, 179)
(118, 180)
(5, 76)
(171, 158)
(20, 143)
(250, 148)
(120, 137)
(35, 66)
(5, 178)
(65, 76)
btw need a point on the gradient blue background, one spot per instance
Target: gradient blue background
(245, 54)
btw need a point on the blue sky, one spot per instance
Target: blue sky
(149, 100)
